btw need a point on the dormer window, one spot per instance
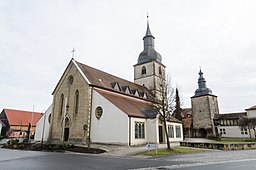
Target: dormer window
(126, 89)
(115, 86)
(144, 95)
(136, 92)
(143, 70)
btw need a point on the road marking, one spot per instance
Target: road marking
(193, 164)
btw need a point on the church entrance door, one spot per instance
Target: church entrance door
(202, 133)
(160, 133)
(66, 134)
(66, 129)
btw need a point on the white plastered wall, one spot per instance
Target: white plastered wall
(176, 139)
(40, 125)
(233, 131)
(113, 125)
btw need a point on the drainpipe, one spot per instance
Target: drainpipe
(129, 131)
(90, 119)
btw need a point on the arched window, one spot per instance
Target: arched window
(76, 101)
(160, 70)
(143, 70)
(61, 103)
(70, 80)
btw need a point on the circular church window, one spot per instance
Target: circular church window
(98, 112)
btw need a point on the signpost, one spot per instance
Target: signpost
(152, 146)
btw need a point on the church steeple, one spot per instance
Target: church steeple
(149, 70)
(149, 53)
(202, 89)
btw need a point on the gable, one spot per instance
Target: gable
(71, 69)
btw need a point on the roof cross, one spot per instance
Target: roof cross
(73, 52)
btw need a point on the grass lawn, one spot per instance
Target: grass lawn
(171, 151)
(236, 140)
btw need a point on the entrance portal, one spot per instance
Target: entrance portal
(66, 129)
(202, 133)
(66, 134)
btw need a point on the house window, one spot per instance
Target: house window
(61, 103)
(244, 131)
(178, 131)
(139, 130)
(143, 70)
(76, 101)
(98, 112)
(223, 131)
(170, 131)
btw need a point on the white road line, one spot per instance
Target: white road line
(193, 164)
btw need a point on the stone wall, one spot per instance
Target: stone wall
(220, 146)
(78, 122)
(203, 110)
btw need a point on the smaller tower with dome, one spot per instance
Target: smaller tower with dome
(204, 107)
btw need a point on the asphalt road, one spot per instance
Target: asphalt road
(219, 160)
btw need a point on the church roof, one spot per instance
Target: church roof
(132, 106)
(20, 117)
(107, 81)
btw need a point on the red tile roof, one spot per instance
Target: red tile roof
(17, 117)
(187, 122)
(102, 79)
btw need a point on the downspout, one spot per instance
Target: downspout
(129, 131)
(90, 119)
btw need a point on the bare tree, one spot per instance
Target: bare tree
(253, 125)
(164, 103)
(244, 123)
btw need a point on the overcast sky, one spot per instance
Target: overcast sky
(36, 39)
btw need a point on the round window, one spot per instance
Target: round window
(98, 112)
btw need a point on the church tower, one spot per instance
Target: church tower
(204, 107)
(149, 70)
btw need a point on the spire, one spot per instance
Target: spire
(148, 32)
(149, 53)
(202, 88)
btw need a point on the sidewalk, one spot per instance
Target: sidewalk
(120, 150)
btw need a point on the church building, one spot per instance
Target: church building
(90, 105)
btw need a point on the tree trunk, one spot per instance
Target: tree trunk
(166, 134)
